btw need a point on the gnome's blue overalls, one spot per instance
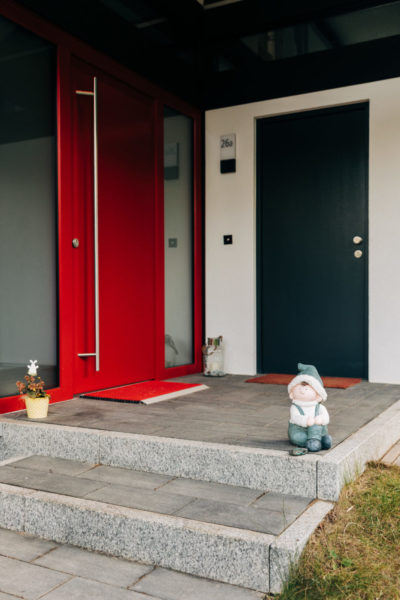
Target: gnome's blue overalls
(307, 392)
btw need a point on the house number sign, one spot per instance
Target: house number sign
(228, 153)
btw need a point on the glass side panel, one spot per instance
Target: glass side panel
(28, 238)
(178, 230)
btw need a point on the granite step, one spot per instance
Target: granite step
(318, 475)
(212, 530)
(250, 467)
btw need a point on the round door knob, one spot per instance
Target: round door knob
(358, 253)
(75, 243)
(357, 239)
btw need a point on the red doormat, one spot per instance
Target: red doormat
(147, 392)
(283, 379)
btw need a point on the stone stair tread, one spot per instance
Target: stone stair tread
(220, 504)
(231, 515)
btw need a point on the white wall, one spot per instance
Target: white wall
(230, 208)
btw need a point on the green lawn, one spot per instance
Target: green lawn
(355, 553)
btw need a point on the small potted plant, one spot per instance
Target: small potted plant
(33, 392)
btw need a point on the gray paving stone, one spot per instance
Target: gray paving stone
(21, 477)
(232, 515)
(90, 565)
(198, 435)
(231, 404)
(6, 596)
(27, 581)
(83, 589)
(140, 498)
(48, 482)
(120, 476)
(23, 547)
(285, 504)
(117, 425)
(53, 465)
(212, 491)
(170, 585)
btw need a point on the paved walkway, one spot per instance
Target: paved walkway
(31, 568)
(231, 411)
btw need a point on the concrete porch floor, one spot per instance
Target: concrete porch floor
(231, 411)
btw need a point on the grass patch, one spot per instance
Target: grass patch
(355, 553)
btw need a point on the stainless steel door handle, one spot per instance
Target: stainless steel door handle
(93, 93)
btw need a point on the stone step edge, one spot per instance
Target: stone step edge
(347, 460)
(286, 549)
(217, 552)
(255, 468)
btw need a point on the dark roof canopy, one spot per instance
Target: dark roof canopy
(222, 52)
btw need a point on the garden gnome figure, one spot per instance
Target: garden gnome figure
(308, 417)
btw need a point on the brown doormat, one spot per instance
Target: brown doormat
(284, 379)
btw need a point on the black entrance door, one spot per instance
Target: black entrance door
(312, 170)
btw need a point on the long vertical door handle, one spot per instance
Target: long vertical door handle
(95, 225)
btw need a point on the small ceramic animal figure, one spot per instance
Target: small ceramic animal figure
(32, 367)
(308, 417)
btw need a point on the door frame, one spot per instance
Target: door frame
(259, 210)
(68, 47)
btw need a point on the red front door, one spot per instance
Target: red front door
(114, 233)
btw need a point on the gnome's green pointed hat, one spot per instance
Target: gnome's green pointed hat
(309, 374)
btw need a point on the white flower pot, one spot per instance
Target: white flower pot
(36, 408)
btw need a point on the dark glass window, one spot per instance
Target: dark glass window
(28, 232)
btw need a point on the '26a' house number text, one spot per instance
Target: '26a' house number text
(228, 146)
